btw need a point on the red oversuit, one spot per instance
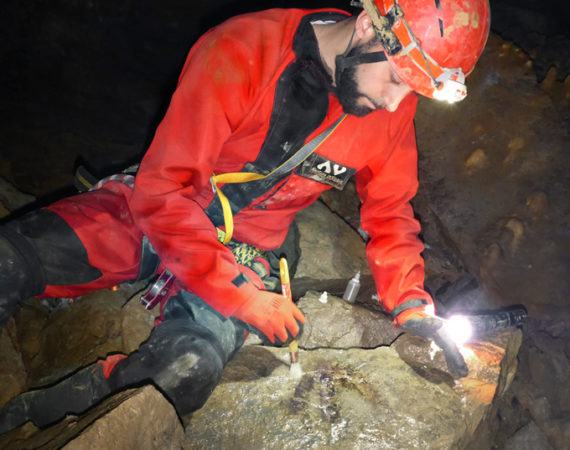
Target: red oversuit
(229, 113)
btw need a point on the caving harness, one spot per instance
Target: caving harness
(244, 254)
(244, 177)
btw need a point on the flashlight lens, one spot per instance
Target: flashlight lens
(459, 329)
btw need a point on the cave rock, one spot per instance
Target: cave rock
(397, 396)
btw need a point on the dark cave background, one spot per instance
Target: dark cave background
(87, 82)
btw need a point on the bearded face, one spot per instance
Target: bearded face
(347, 89)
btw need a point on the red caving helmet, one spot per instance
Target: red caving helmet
(432, 44)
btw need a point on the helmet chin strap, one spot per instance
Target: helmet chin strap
(342, 62)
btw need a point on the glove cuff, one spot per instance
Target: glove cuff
(417, 308)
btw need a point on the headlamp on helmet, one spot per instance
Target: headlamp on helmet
(450, 86)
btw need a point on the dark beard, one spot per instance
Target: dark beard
(347, 87)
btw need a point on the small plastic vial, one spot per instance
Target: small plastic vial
(352, 288)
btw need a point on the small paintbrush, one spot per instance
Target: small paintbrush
(295, 369)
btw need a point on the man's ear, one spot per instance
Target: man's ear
(364, 29)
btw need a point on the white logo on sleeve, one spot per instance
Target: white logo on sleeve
(337, 169)
(321, 169)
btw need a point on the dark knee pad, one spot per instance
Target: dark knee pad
(192, 375)
(20, 276)
(228, 334)
(20, 263)
(182, 358)
(43, 236)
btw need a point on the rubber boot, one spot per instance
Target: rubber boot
(183, 359)
(74, 395)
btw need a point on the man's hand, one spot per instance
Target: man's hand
(272, 314)
(431, 327)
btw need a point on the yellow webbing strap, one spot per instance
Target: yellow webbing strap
(231, 178)
(244, 177)
(88, 185)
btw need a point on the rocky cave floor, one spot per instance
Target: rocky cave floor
(493, 197)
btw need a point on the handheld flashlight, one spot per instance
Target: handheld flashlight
(461, 328)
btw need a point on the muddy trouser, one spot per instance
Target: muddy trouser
(67, 250)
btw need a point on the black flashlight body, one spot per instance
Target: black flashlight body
(485, 322)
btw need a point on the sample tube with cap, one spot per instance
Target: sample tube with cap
(352, 288)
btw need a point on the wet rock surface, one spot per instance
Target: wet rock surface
(333, 323)
(12, 370)
(351, 398)
(317, 409)
(133, 424)
(61, 335)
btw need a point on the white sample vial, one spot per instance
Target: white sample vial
(352, 288)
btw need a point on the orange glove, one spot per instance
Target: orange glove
(272, 314)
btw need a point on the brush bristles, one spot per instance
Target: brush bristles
(296, 371)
